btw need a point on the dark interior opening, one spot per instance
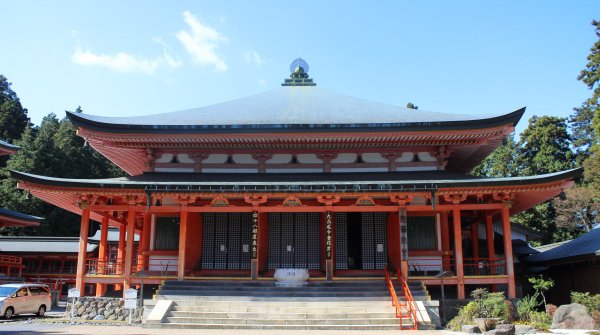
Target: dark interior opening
(355, 242)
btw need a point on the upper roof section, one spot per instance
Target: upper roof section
(297, 119)
(297, 108)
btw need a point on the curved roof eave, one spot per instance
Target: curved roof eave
(19, 216)
(343, 181)
(299, 109)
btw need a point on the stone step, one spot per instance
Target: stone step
(270, 309)
(278, 315)
(273, 299)
(261, 321)
(276, 327)
(275, 294)
(323, 302)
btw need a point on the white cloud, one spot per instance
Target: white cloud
(121, 62)
(172, 61)
(201, 41)
(252, 57)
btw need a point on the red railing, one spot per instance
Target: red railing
(479, 266)
(96, 266)
(408, 304)
(10, 263)
(154, 266)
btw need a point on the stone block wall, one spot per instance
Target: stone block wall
(92, 308)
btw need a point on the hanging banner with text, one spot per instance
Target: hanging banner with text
(328, 231)
(403, 234)
(254, 235)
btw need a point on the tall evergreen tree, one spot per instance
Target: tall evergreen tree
(54, 150)
(13, 117)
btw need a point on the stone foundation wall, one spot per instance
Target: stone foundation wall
(92, 308)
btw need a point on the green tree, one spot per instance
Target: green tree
(541, 285)
(579, 209)
(53, 149)
(502, 162)
(13, 117)
(545, 146)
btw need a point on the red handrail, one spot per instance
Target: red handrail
(408, 303)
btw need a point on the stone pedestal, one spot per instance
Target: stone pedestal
(291, 277)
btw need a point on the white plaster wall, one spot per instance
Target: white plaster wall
(215, 159)
(292, 170)
(173, 169)
(218, 170)
(372, 169)
(280, 159)
(243, 159)
(405, 157)
(426, 157)
(308, 159)
(374, 158)
(162, 263)
(345, 158)
(184, 158)
(164, 158)
(416, 168)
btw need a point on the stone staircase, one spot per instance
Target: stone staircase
(338, 305)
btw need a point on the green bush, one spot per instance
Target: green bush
(592, 302)
(493, 304)
(540, 320)
(526, 306)
(465, 316)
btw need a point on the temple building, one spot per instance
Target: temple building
(299, 177)
(12, 265)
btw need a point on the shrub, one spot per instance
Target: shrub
(540, 320)
(465, 316)
(526, 306)
(493, 304)
(592, 302)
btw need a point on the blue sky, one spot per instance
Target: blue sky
(121, 58)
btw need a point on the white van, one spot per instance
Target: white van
(24, 298)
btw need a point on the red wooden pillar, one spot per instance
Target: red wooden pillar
(144, 243)
(102, 255)
(458, 253)
(121, 253)
(510, 272)
(489, 233)
(183, 222)
(129, 248)
(81, 256)
(263, 241)
(445, 231)
(475, 244)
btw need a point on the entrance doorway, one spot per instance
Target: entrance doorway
(294, 241)
(361, 241)
(226, 241)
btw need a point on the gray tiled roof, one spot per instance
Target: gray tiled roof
(113, 235)
(288, 181)
(288, 106)
(20, 216)
(34, 244)
(4, 144)
(587, 244)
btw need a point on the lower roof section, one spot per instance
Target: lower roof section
(10, 218)
(383, 189)
(296, 182)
